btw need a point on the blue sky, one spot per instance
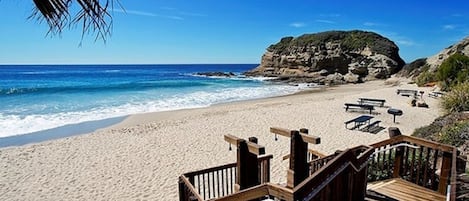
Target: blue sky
(228, 31)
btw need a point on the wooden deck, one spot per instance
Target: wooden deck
(399, 189)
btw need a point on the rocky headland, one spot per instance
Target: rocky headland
(332, 57)
(216, 74)
(431, 64)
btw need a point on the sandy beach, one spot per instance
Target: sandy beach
(142, 157)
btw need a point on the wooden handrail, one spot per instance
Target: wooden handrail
(310, 151)
(212, 169)
(265, 157)
(287, 133)
(247, 194)
(453, 183)
(347, 166)
(253, 147)
(316, 153)
(190, 187)
(334, 167)
(410, 139)
(260, 191)
(407, 163)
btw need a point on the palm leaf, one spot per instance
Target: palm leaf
(93, 15)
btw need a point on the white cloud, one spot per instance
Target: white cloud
(449, 27)
(397, 38)
(147, 14)
(193, 14)
(167, 8)
(135, 12)
(171, 17)
(369, 24)
(374, 24)
(330, 15)
(325, 21)
(297, 24)
(405, 42)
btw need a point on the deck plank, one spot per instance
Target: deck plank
(400, 189)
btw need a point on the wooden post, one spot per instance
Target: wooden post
(461, 163)
(253, 139)
(298, 167)
(182, 190)
(445, 172)
(298, 159)
(247, 168)
(393, 132)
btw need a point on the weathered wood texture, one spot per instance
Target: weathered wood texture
(428, 165)
(399, 189)
(346, 174)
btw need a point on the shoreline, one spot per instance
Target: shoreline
(59, 132)
(141, 118)
(142, 156)
(88, 127)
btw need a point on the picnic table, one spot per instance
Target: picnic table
(435, 94)
(372, 101)
(406, 92)
(361, 120)
(359, 106)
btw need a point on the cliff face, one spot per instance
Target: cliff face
(432, 63)
(461, 47)
(350, 56)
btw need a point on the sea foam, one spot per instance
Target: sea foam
(13, 124)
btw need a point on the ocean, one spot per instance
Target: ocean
(35, 98)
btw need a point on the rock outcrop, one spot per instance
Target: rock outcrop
(461, 47)
(433, 63)
(347, 56)
(216, 74)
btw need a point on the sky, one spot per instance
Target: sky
(226, 31)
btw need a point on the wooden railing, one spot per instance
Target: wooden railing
(264, 168)
(210, 183)
(313, 155)
(425, 163)
(260, 192)
(343, 178)
(318, 163)
(218, 181)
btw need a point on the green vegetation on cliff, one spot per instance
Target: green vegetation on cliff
(454, 70)
(349, 40)
(452, 129)
(457, 100)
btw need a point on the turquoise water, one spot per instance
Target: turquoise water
(36, 98)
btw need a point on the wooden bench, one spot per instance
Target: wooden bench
(361, 120)
(372, 101)
(435, 94)
(406, 92)
(359, 106)
(371, 127)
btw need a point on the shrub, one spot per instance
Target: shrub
(457, 100)
(455, 134)
(427, 132)
(425, 77)
(453, 70)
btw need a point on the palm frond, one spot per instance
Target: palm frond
(93, 15)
